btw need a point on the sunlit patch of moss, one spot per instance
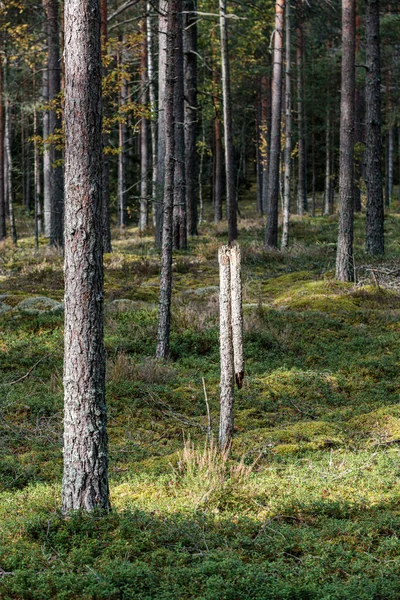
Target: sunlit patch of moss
(383, 425)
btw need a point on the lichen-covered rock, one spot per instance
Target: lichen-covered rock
(39, 305)
(127, 305)
(4, 307)
(202, 291)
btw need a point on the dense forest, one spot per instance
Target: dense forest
(199, 299)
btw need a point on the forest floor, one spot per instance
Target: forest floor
(307, 505)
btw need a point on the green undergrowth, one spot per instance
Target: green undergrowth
(306, 505)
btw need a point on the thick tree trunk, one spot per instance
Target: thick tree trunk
(161, 150)
(228, 127)
(55, 154)
(106, 162)
(164, 311)
(271, 231)
(153, 108)
(3, 230)
(288, 134)
(302, 204)
(373, 148)
(144, 134)
(344, 256)
(190, 73)
(85, 481)
(179, 211)
(226, 349)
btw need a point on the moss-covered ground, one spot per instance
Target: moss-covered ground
(307, 505)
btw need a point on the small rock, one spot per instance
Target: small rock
(4, 308)
(39, 305)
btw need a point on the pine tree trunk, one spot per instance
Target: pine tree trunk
(190, 72)
(358, 117)
(122, 161)
(179, 211)
(389, 171)
(3, 230)
(259, 166)
(107, 247)
(161, 146)
(344, 256)
(373, 148)
(302, 174)
(271, 231)
(46, 149)
(153, 108)
(144, 134)
(226, 349)
(265, 137)
(327, 164)
(7, 149)
(228, 127)
(23, 163)
(36, 176)
(164, 315)
(85, 481)
(56, 183)
(288, 134)
(218, 149)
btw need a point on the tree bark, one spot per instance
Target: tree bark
(271, 231)
(107, 247)
(288, 134)
(144, 133)
(3, 230)
(46, 148)
(344, 256)
(265, 137)
(164, 311)
(226, 349)
(153, 108)
(161, 165)
(10, 190)
(237, 314)
(357, 131)
(389, 167)
(85, 481)
(259, 167)
(228, 127)
(179, 211)
(9, 179)
(302, 167)
(122, 135)
(218, 149)
(327, 164)
(56, 183)
(36, 176)
(190, 83)
(375, 210)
